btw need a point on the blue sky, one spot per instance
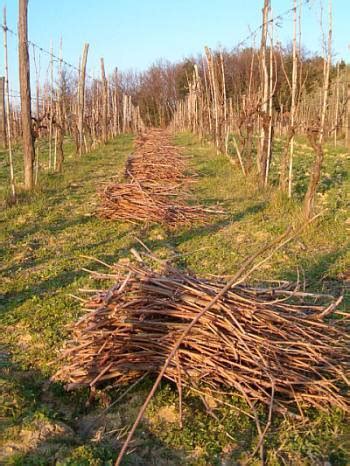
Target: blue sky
(135, 33)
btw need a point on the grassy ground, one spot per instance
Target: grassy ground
(43, 241)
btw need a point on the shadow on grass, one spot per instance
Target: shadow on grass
(42, 424)
(332, 177)
(40, 289)
(52, 227)
(319, 276)
(207, 230)
(12, 299)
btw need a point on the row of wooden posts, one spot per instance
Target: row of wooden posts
(93, 113)
(250, 124)
(90, 114)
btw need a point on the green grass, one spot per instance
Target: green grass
(42, 245)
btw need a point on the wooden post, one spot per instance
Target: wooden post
(51, 112)
(263, 145)
(224, 123)
(270, 130)
(60, 124)
(37, 114)
(105, 103)
(214, 91)
(207, 94)
(7, 109)
(2, 113)
(115, 104)
(293, 103)
(108, 109)
(347, 116)
(37, 83)
(58, 110)
(129, 112)
(328, 63)
(336, 110)
(24, 81)
(81, 96)
(124, 112)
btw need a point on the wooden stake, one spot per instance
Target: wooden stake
(2, 113)
(269, 142)
(24, 81)
(262, 154)
(347, 116)
(51, 106)
(81, 97)
(7, 111)
(105, 103)
(293, 104)
(336, 112)
(37, 113)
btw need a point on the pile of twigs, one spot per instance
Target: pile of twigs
(156, 159)
(134, 203)
(275, 345)
(157, 176)
(162, 165)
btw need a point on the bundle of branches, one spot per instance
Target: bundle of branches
(268, 344)
(154, 169)
(134, 203)
(155, 159)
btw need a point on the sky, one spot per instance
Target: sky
(132, 34)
